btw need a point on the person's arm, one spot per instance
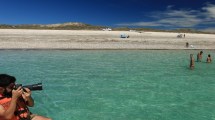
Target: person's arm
(27, 97)
(9, 113)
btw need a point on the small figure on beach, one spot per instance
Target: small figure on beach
(209, 60)
(187, 44)
(184, 35)
(199, 56)
(192, 61)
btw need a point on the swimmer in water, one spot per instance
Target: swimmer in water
(191, 61)
(209, 60)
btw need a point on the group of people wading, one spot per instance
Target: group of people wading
(199, 59)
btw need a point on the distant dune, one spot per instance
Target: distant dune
(83, 26)
(64, 24)
(59, 26)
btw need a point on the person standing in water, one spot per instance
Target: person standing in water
(192, 61)
(209, 60)
(199, 56)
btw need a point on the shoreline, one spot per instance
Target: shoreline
(64, 49)
(24, 39)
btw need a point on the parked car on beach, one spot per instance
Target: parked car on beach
(124, 36)
(107, 29)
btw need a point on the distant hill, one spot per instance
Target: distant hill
(82, 26)
(60, 26)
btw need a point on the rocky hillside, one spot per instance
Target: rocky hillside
(62, 26)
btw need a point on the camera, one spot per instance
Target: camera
(32, 87)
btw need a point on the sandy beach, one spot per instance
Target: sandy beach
(86, 39)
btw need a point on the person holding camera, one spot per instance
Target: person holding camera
(14, 102)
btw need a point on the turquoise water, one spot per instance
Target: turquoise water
(116, 85)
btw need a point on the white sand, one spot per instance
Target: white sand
(85, 39)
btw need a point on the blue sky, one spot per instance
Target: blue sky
(162, 14)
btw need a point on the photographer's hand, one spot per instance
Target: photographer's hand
(27, 96)
(17, 93)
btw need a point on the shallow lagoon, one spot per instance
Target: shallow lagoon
(116, 84)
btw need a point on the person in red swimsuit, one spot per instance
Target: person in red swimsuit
(14, 103)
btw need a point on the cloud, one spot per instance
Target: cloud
(152, 24)
(209, 10)
(170, 6)
(183, 18)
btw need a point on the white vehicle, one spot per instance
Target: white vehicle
(132, 30)
(181, 35)
(124, 36)
(107, 29)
